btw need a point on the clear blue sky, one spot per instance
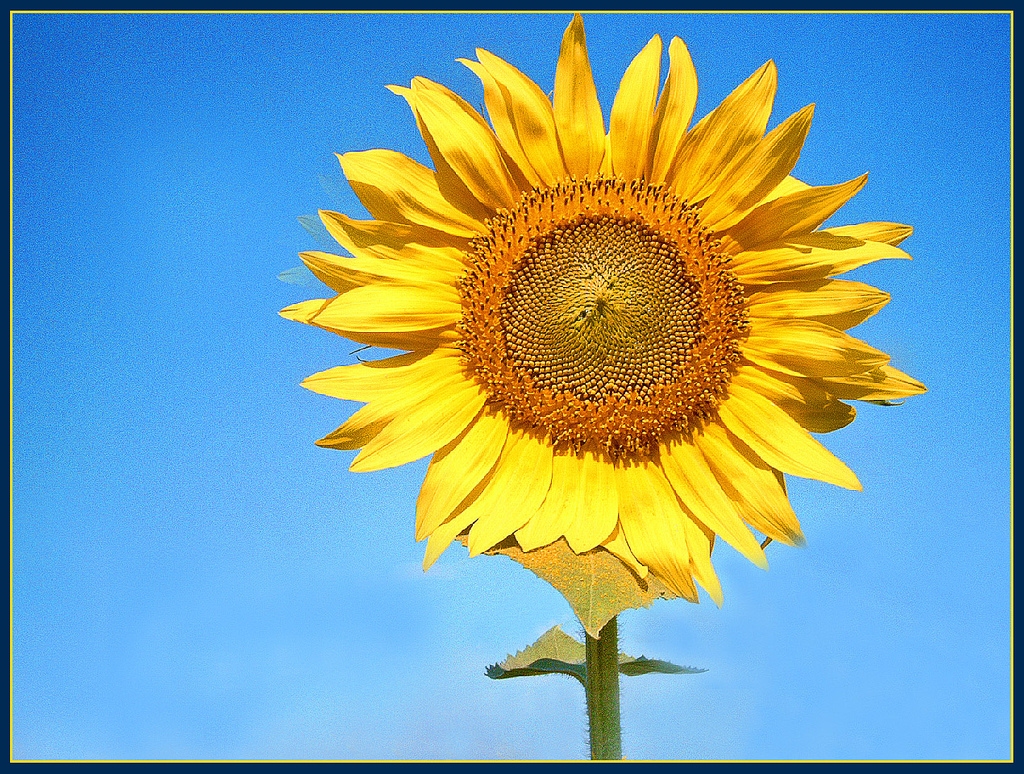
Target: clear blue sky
(193, 578)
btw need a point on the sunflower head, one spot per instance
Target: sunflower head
(616, 339)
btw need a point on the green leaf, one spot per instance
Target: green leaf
(542, 666)
(595, 584)
(555, 652)
(886, 402)
(643, 666)
(554, 643)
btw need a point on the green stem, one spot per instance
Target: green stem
(603, 694)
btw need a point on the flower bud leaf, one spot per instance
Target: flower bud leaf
(596, 584)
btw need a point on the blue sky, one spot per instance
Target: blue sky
(194, 579)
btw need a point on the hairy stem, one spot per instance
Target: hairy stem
(603, 694)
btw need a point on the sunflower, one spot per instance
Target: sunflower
(621, 339)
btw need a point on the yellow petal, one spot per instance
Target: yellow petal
(806, 400)
(429, 338)
(305, 311)
(769, 163)
(725, 135)
(443, 536)
(576, 109)
(450, 262)
(785, 188)
(361, 428)
(467, 144)
(502, 120)
(518, 477)
(700, 494)
(360, 235)
(394, 403)
(791, 215)
(699, 543)
(309, 312)
(413, 371)
(883, 383)
(833, 416)
(410, 245)
(394, 308)
(530, 115)
(890, 233)
(839, 303)
(518, 485)
(344, 274)
(809, 348)
(329, 270)
(810, 256)
(443, 413)
(616, 544)
(632, 117)
(457, 468)
(751, 484)
(652, 523)
(779, 440)
(606, 162)
(558, 511)
(449, 183)
(597, 509)
(395, 188)
(674, 111)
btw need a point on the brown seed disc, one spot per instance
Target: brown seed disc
(600, 311)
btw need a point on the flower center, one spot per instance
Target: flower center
(596, 308)
(599, 311)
